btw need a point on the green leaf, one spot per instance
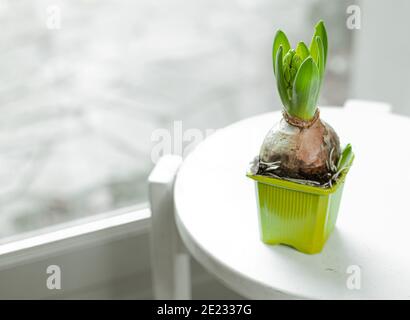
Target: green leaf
(320, 57)
(344, 159)
(280, 81)
(279, 40)
(302, 50)
(305, 90)
(320, 31)
(320, 63)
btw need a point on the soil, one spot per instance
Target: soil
(274, 170)
(320, 179)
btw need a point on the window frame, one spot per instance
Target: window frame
(75, 235)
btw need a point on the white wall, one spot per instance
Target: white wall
(381, 68)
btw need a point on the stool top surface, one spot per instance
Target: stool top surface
(366, 257)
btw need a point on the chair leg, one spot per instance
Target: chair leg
(170, 261)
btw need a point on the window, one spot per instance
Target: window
(84, 85)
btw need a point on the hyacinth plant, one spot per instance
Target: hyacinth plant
(300, 171)
(301, 146)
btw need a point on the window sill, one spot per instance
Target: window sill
(80, 234)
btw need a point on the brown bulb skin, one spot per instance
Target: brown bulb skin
(302, 152)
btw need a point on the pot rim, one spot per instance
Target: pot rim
(291, 185)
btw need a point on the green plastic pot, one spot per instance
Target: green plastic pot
(297, 215)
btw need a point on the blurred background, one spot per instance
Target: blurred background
(85, 84)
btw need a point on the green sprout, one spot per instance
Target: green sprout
(299, 73)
